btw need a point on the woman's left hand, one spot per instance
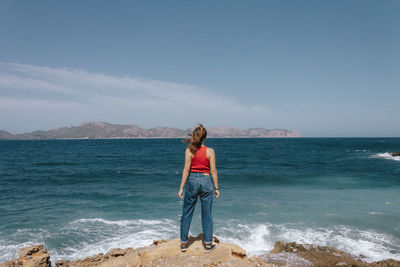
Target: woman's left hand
(180, 193)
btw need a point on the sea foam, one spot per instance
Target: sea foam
(89, 236)
(386, 155)
(258, 239)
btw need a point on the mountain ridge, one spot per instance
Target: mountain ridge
(104, 130)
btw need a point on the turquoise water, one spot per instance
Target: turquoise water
(81, 197)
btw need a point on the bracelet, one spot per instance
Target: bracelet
(216, 189)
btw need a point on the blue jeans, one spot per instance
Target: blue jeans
(198, 185)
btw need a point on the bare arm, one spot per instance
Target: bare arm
(186, 171)
(213, 170)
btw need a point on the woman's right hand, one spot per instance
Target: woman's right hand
(180, 193)
(216, 193)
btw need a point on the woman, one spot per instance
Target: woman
(199, 162)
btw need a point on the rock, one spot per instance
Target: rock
(157, 242)
(238, 252)
(32, 256)
(167, 253)
(286, 259)
(395, 154)
(28, 251)
(11, 263)
(342, 263)
(62, 263)
(386, 263)
(314, 255)
(116, 252)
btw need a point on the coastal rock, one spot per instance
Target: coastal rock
(167, 253)
(116, 252)
(114, 257)
(314, 255)
(386, 263)
(395, 154)
(32, 256)
(293, 254)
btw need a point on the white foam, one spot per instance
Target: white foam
(89, 236)
(374, 246)
(258, 239)
(375, 213)
(9, 251)
(139, 239)
(255, 239)
(123, 222)
(109, 234)
(386, 155)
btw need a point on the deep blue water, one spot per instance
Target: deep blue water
(81, 197)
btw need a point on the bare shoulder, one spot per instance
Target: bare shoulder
(188, 152)
(210, 152)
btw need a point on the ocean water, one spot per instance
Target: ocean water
(81, 197)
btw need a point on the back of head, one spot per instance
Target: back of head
(196, 138)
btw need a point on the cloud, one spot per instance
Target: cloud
(120, 99)
(16, 104)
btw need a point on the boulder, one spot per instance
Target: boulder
(311, 255)
(167, 253)
(32, 256)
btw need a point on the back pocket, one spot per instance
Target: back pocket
(192, 186)
(206, 185)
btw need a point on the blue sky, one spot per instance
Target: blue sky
(325, 68)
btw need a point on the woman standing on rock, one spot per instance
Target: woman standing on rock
(199, 162)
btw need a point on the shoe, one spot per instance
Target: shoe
(184, 246)
(209, 247)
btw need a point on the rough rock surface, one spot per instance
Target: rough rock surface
(167, 253)
(32, 256)
(396, 154)
(293, 254)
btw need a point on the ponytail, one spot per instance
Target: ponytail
(195, 139)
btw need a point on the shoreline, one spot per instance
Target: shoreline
(157, 137)
(167, 253)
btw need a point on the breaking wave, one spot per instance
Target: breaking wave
(89, 236)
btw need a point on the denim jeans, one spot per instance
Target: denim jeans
(198, 185)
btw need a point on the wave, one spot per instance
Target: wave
(123, 222)
(386, 155)
(89, 236)
(260, 238)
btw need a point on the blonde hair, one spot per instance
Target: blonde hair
(196, 138)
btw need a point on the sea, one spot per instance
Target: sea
(82, 197)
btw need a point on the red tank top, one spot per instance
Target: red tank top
(200, 162)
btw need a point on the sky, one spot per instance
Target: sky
(324, 68)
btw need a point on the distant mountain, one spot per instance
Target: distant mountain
(103, 130)
(5, 135)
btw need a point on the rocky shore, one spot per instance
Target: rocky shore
(167, 253)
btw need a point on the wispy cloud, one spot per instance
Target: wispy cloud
(122, 99)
